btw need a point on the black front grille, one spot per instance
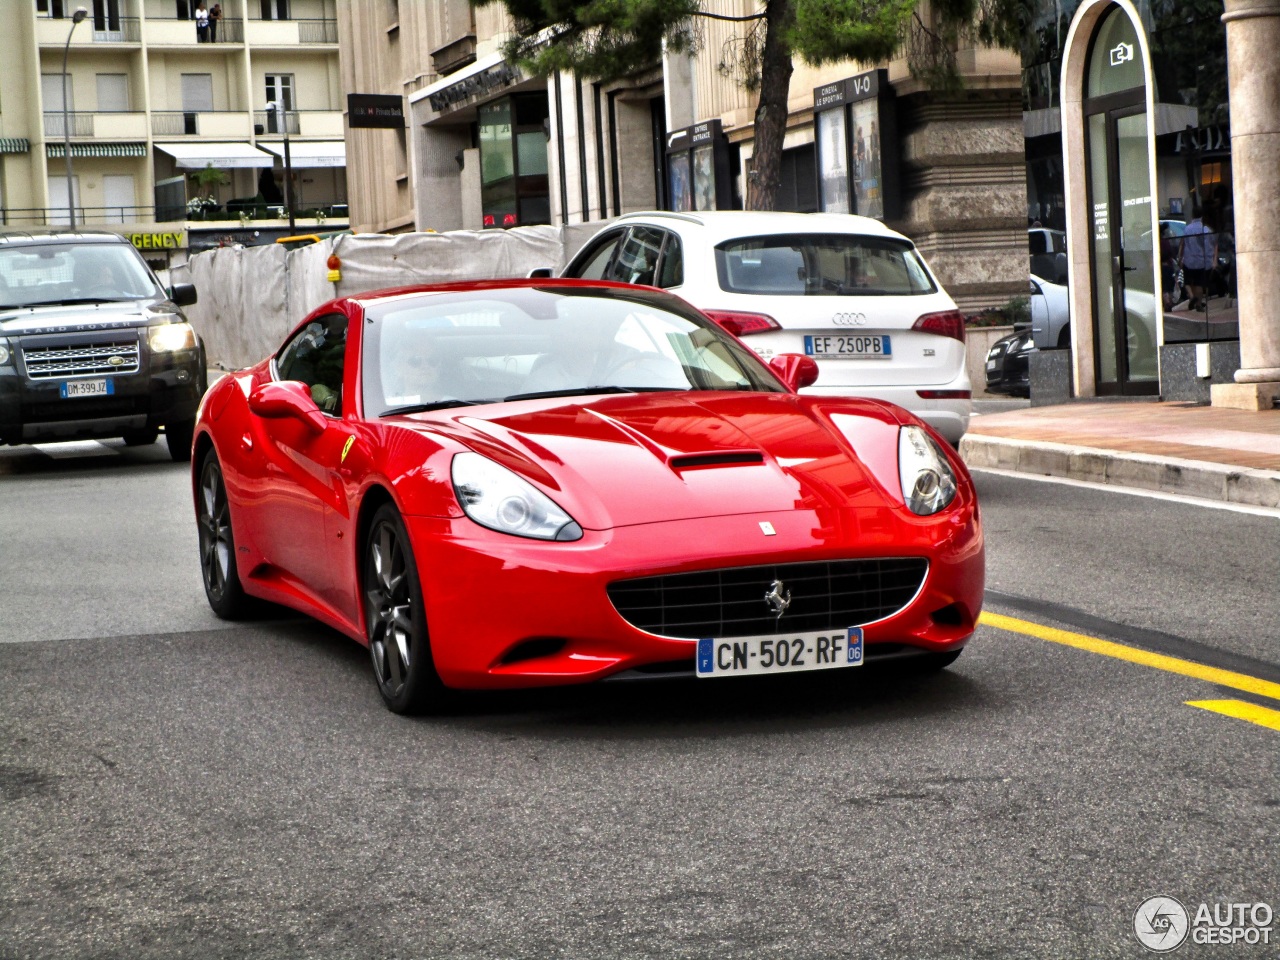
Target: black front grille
(731, 603)
(87, 408)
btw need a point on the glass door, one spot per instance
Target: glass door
(1123, 247)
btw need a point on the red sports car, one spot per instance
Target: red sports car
(516, 483)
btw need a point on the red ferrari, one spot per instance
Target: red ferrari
(516, 483)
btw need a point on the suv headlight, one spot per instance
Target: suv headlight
(171, 337)
(496, 498)
(4, 353)
(928, 484)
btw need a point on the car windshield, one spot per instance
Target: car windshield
(813, 265)
(57, 273)
(452, 349)
(808, 264)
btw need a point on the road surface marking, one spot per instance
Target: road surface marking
(1262, 716)
(1257, 511)
(1158, 661)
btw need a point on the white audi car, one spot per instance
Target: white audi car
(849, 292)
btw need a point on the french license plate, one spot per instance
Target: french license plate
(87, 388)
(868, 346)
(747, 656)
(992, 364)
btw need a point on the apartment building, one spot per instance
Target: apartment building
(486, 146)
(172, 139)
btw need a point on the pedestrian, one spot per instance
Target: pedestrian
(215, 17)
(202, 23)
(1198, 253)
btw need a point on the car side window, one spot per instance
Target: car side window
(671, 272)
(315, 357)
(637, 260)
(592, 264)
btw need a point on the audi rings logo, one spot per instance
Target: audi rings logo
(849, 319)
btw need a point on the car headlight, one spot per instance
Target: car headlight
(4, 353)
(496, 498)
(171, 337)
(1025, 345)
(928, 484)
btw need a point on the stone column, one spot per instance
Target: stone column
(1253, 39)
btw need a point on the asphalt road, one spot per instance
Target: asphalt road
(176, 787)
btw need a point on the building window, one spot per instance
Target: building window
(279, 88)
(275, 9)
(513, 161)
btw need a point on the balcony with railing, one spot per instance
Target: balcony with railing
(206, 123)
(173, 32)
(100, 126)
(53, 31)
(290, 33)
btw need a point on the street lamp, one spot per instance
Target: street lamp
(76, 17)
(282, 117)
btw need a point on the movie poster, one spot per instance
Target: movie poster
(681, 195)
(833, 161)
(704, 179)
(868, 193)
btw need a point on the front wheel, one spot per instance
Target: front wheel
(396, 620)
(218, 545)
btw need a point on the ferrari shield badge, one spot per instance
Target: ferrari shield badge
(346, 448)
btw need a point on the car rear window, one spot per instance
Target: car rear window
(812, 264)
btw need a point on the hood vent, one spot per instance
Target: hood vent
(720, 458)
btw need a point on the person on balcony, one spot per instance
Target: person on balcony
(215, 17)
(202, 23)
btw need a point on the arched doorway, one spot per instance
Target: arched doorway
(1123, 247)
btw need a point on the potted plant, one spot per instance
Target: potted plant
(206, 181)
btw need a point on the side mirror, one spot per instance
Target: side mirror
(183, 294)
(795, 370)
(540, 273)
(287, 399)
(1022, 326)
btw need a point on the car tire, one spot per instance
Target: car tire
(141, 438)
(1064, 337)
(218, 568)
(178, 436)
(395, 619)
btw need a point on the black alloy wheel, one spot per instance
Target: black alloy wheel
(218, 546)
(395, 619)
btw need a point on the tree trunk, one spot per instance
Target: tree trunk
(771, 113)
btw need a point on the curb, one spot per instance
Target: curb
(1189, 478)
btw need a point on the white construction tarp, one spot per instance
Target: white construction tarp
(251, 297)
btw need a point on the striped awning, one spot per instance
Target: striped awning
(99, 149)
(14, 144)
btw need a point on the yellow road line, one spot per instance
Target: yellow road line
(1262, 716)
(1159, 661)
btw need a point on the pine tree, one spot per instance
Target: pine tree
(611, 39)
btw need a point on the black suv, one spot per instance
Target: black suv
(91, 345)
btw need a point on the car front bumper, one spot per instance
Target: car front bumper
(504, 612)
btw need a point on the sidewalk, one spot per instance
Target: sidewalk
(1196, 451)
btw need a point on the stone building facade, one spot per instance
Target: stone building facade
(487, 146)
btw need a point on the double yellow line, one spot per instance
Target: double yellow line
(1240, 709)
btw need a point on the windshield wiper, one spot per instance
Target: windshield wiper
(73, 302)
(587, 391)
(434, 405)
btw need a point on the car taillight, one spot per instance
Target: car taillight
(743, 324)
(949, 323)
(945, 394)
